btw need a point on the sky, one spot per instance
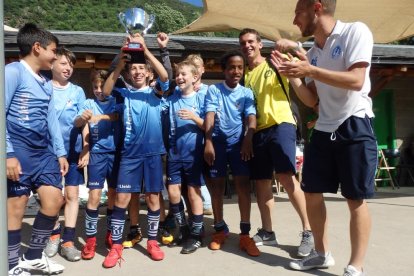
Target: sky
(198, 3)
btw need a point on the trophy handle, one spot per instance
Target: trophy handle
(121, 17)
(150, 23)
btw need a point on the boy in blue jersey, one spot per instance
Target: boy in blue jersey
(35, 151)
(142, 149)
(100, 114)
(68, 100)
(228, 105)
(185, 151)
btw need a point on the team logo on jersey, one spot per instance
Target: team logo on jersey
(268, 73)
(314, 61)
(69, 103)
(336, 52)
(237, 105)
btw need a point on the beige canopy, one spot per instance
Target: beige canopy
(388, 20)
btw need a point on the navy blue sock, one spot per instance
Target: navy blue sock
(197, 226)
(14, 237)
(118, 223)
(108, 219)
(68, 234)
(220, 226)
(153, 222)
(91, 222)
(57, 230)
(42, 228)
(245, 228)
(178, 212)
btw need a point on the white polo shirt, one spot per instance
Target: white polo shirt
(348, 44)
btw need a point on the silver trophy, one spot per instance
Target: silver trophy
(135, 20)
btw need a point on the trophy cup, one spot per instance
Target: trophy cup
(138, 20)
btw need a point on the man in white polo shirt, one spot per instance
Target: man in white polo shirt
(343, 149)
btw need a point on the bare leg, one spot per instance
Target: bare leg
(217, 188)
(265, 202)
(316, 210)
(71, 206)
(242, 184)
(16, 207)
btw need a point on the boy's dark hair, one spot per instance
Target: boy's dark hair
(29, 34)
(225, 58)
(250, 31)
(99, 75)
(62, 51)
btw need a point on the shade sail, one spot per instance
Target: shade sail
(388, 20)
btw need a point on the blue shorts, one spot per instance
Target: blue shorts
(133, 172)
(347, 157)
(75, 176)
(274, 150)
(39, 167)
(185, 172)
(100, 168)
(228, 154)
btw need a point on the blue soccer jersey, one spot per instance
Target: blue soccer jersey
(101, 135)
(31, 121)
(230, 106)
(185, 140)
(68, 102)
(142, 122)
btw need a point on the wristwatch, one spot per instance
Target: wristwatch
(297, 48)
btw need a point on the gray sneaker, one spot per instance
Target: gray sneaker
(52, 247)
(306, 244)
(313, 260)
(70, 253)
(352, 271)
(262, 237)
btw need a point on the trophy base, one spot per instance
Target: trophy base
(134, 55)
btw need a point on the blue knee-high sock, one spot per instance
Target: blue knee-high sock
(178, 212)
(91, 222)
(14, 237)
(57, 230)
(42, 228)
(108, 219)
(197, 226)
(68, 234)
(117, 223)
(153, 222)
(245, 228)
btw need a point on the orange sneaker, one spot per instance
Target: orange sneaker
(154, 250)
(247, 244)
(218, 239)
(114, 256)
(88, 250)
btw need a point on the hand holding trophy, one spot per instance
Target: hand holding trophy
(135, 20)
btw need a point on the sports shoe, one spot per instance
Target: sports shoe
(69, 252)
(108, 239)
(43, 265)
(191, 245)
(52, 246)
(183, 235)
(207, 211)
(352, 271)
(132, 239)
(218, 239)
(166, 237)
(114, 256)
(306, 244)
(89, 249)
(313, 260)
(263, 237)
(247, 244)
(154, 250)
(18, 271)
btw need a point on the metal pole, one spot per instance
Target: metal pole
(4, 267)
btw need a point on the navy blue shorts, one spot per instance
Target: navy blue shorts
(274, 149)
(75, 176)
(347, 157)
(228, 154)
(100, 168)
(38, 168)
(185, 172)
(133, 172)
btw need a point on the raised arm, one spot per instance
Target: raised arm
(162, 40)
(113, 77)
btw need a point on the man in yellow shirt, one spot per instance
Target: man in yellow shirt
(274, 143)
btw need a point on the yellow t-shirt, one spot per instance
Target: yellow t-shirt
(272, 106)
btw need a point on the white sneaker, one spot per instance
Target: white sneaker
(352, 271)
(44, 264)
(18, 271)
(313, 260)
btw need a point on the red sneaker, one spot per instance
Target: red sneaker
(114, 256)
(154, 250)
(88, 250)
(108, 240)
